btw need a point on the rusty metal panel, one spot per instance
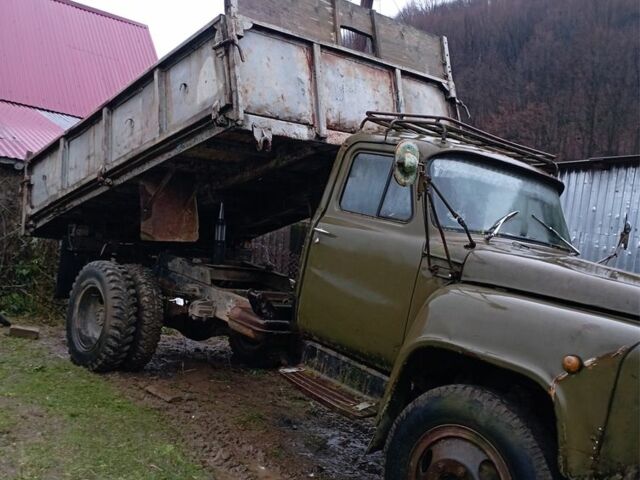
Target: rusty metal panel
(352, 88)
(84, 156)
(276, 78)
(420, 97)
(168, 208)
(596, 199)
(131, 122)
(193, 84)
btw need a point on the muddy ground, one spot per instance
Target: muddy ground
(241, 423)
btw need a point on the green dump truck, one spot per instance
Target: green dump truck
(438, 287)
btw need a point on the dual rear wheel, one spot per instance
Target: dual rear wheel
(114, 317)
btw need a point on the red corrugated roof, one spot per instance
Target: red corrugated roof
(62, 56)
(24, 129)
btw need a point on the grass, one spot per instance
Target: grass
(59, 421)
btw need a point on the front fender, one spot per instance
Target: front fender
(528, 336)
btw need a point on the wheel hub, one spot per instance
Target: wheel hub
(453, 452)
(89, 317)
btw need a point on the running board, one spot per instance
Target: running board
(330, 393)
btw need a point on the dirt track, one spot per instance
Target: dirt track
(245, 424)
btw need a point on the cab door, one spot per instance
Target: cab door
(363, 258)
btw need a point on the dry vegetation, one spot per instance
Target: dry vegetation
(27, 265)
(562, 75)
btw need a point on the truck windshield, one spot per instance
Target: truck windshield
(482, 192)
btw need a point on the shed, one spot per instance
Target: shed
(599, 194)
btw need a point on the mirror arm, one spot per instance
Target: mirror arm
(439, 227)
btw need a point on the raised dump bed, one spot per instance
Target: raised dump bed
(248, 112)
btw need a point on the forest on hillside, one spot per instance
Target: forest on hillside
(561, 75)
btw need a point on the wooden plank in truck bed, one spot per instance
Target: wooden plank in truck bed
(213, 107)
(328, 21)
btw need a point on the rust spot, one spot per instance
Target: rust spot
(592, 362)
(555, 382)
(168, 208)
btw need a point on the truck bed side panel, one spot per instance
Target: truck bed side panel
(235, 82)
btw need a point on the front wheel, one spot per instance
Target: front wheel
(463, 432)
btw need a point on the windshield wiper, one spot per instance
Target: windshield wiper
(495, 228)
(555, 232)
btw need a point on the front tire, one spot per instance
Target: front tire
(463, 432)
(100, 318)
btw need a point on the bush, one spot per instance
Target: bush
(27, 265)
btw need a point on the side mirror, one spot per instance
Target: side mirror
(405, 167)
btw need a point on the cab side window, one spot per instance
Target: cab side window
(371, 190)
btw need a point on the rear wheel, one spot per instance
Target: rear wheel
(149, 318)
(462, 432)
(101, 316)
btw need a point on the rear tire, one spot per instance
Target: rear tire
(100, 318)
(149, 319)
(464, 432)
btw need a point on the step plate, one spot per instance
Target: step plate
(329, 393)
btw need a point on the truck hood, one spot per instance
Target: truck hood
(567, 279)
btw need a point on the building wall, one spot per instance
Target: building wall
(598, 195)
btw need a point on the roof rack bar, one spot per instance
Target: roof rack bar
(446, 127)
(461, 124)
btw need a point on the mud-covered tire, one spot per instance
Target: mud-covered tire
(253, 353)
(452, 411)
(101, 316)
(149, 318)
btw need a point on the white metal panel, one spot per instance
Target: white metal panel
(595, 201)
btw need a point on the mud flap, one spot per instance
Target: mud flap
(168, 208)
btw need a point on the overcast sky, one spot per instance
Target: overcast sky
(173, 21)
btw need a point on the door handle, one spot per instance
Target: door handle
(322, 231)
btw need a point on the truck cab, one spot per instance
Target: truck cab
(456, 283)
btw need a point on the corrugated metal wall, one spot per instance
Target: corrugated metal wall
(598, 194)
